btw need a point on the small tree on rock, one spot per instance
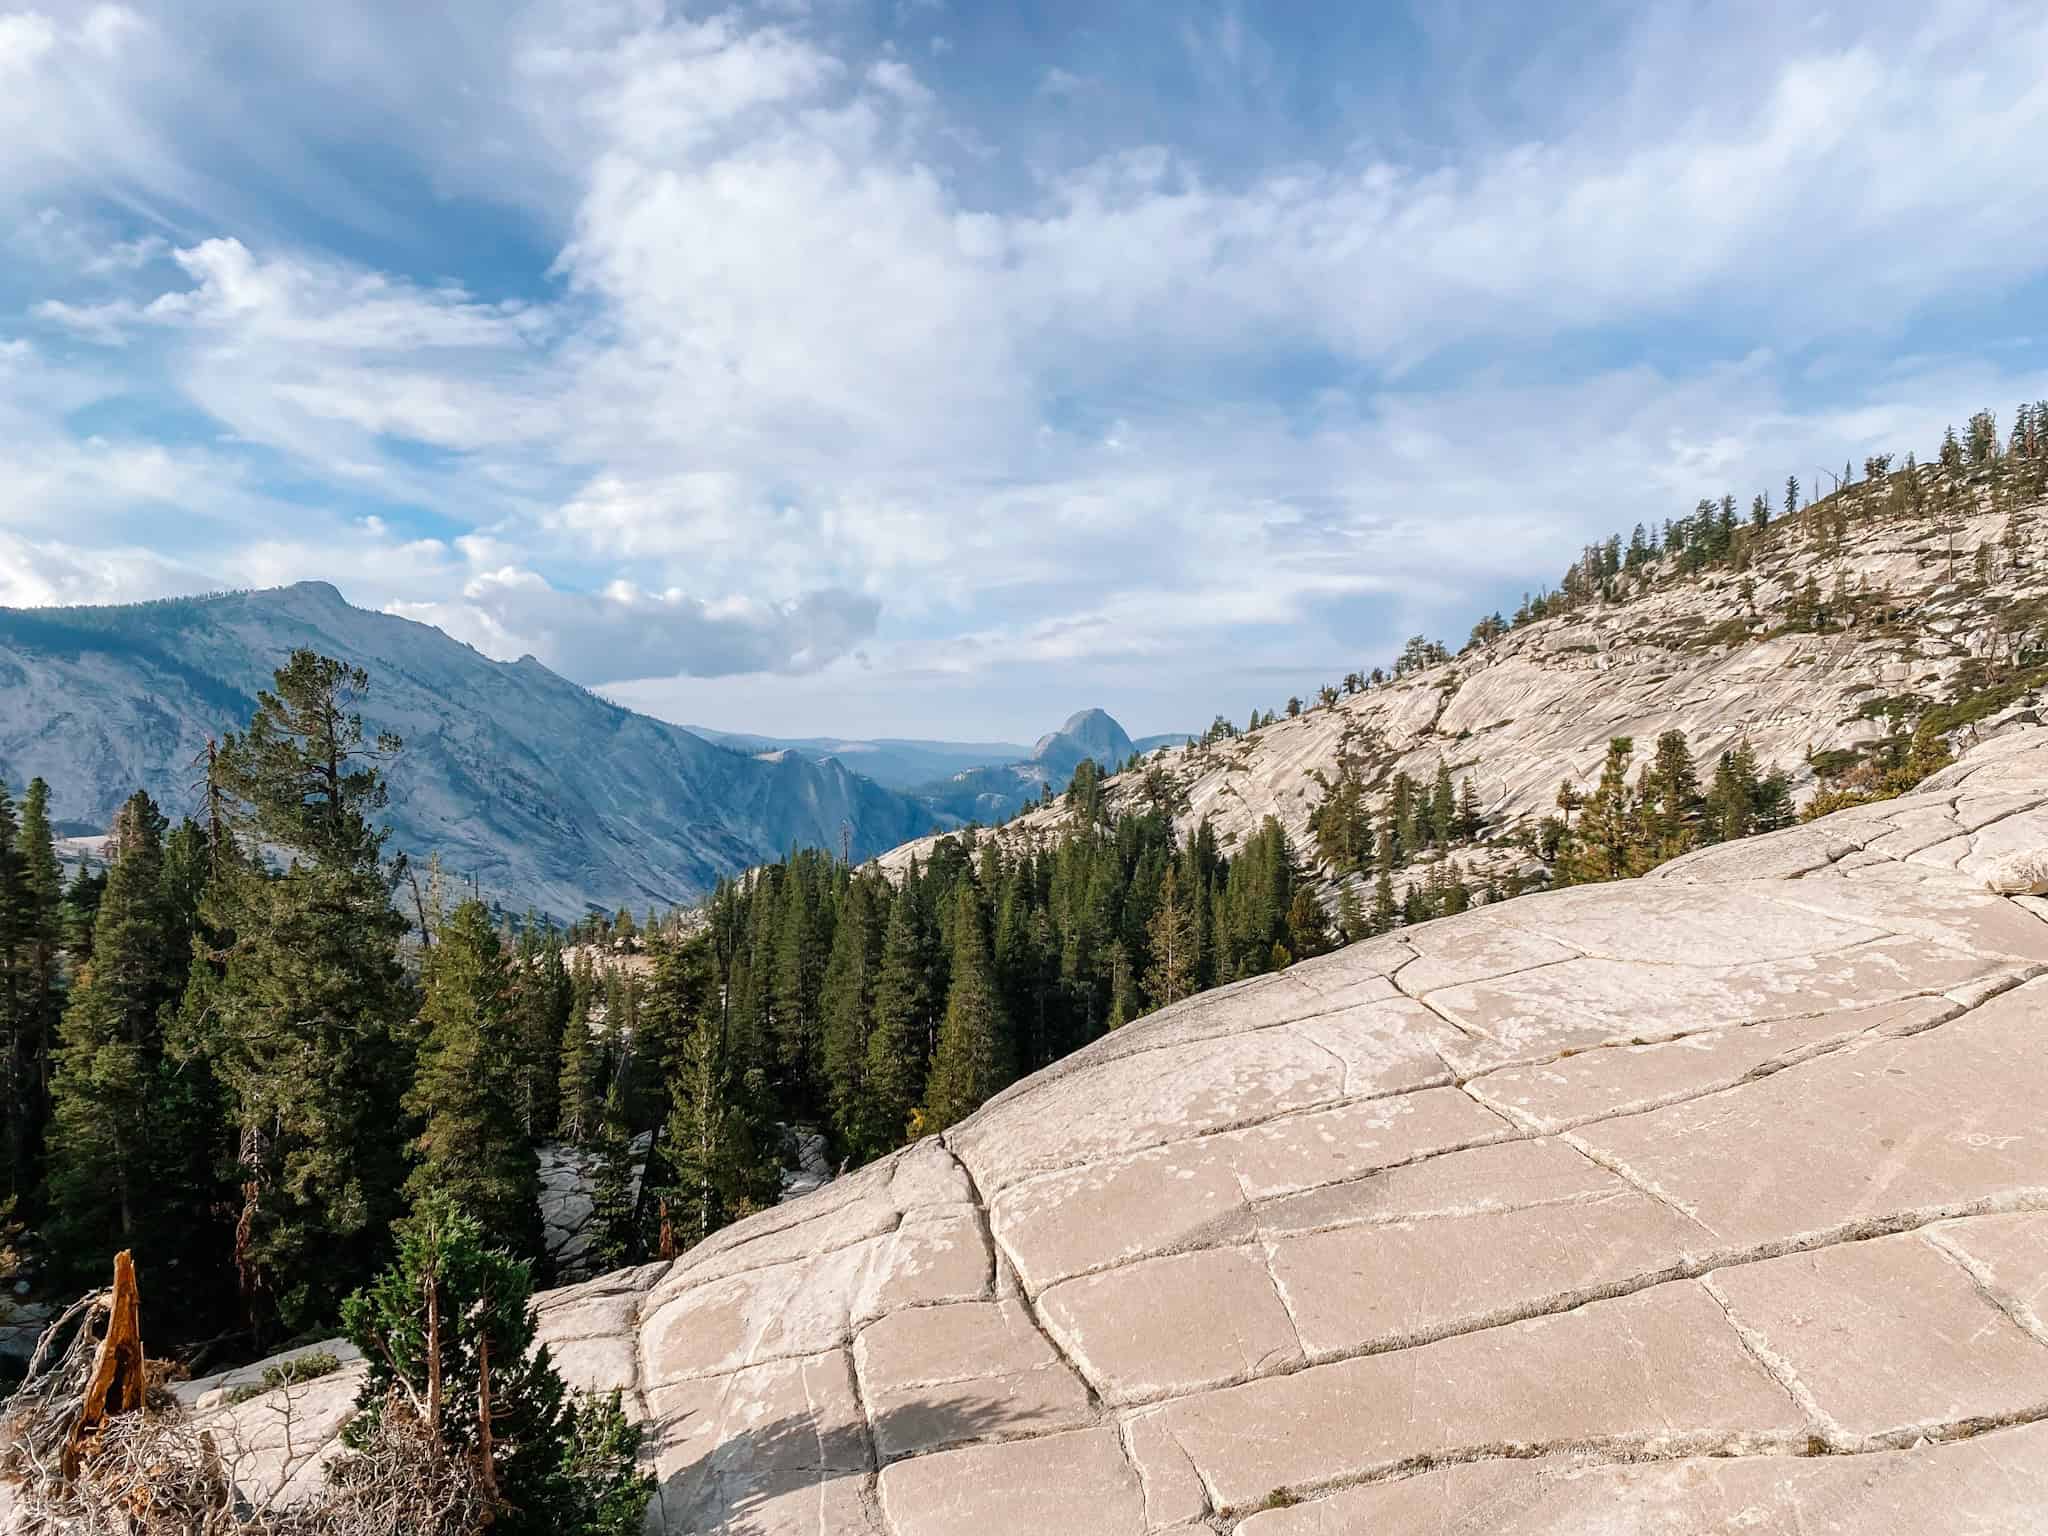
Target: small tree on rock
(448, 1334)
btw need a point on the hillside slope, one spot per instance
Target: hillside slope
(545, 792)
(1606, 1209)
(1530, 708)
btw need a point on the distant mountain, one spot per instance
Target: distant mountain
(1089, 733)
(545, 792)
(994, 792)
(890, 762)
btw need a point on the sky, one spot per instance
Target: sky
(935, 368)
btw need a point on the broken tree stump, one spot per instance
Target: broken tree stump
(116, 1383)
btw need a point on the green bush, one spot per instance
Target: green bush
(558, 1467)
(288, 1373)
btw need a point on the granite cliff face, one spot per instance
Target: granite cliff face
(997, 791)
(1713, 1201)
(547, 793)
(1538, 705)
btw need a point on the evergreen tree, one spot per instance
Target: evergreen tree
(974, 1058)
(110, 1057)
(1470, 818)
(895, 1069)
(1352, 920)
(717, 1145)
(541, 997)
(1443, 808)
(1672, 804)
(802, 944)
(849, 1006)
(1385, 911)
(306, 1022)
(449, 1330)
(473, 1144)
(614, 1212)
(1605, 845)
(1172, 941)
(31, 974)
(1308, 925)
(581, 1095)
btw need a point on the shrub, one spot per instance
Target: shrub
(448, 1331)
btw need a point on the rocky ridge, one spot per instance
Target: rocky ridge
(1716, 1200)
(543, 791)
(1538, 705)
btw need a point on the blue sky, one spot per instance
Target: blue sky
(924, 368)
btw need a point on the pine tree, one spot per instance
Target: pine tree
(1172, 942)
(306, 1022)
(473, 1145)
(110, 1056)
(1308, 925)
(1470, 818)
(1385, 910)
(974, 1058)
(581, 1086)
(1352, 920)
(1606, 845)
(1443, 807)
(614, 1211)
(448, 1331)
(541, 998)
(802, 945)
(849, 1006)
(1730, 808)
(1671, 798)
(31, 976)
(895, 1068)
(717, 1145)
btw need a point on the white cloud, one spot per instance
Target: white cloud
(625, 632)
(806, 387)
(44, 572)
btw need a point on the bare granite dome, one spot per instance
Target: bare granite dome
(1711, 1202)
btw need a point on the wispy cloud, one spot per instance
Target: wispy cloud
(796, 392)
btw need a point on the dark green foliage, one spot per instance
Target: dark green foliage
(720, 1156)
(1626, 829)
(473, 1145)
(975, 1056)
(851, 975)
(110, 1068)
(449, 1327)
(305, 1019)
(899, 1039)
(614, 1213)
(581, 1092)
(1175, 943)
(542, 995)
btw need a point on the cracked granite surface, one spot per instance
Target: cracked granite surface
(1715, 1201)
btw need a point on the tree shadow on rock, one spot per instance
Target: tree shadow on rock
(794, 1474)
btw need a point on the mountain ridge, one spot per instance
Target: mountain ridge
(546, 792)
(1927, 604)
(981, 781)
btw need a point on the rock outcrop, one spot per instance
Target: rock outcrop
(1714, 1201)
(1539, 704)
